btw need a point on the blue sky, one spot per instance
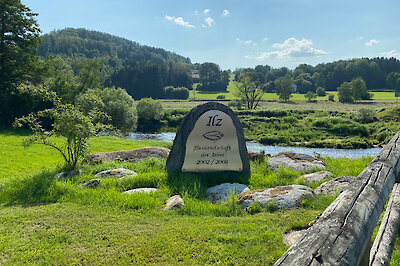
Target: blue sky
(235, 33)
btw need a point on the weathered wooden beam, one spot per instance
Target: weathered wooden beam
(382, 249)
(342, 233)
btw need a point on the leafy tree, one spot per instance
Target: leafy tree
(284, 87)
(393, 81)
(149, 112)
(331, 97)
(212, 78)
(19, 38)
(89, 74)
(359, 89)
(345, 93)
(303, 85)
(61, 79)
(70, 124)
(310, 96)
(248, 92)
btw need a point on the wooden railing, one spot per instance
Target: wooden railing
(342, 234)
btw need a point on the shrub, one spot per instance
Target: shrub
(331, 97)
(150, 113)
(181, 93)
(310, 96)
(365, 115)
(221, 97)
(321, 91)
(116, 103)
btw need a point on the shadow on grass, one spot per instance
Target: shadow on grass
(32, 190)
(196, 184)
(9, 131)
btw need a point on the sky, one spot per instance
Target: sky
(238, 33)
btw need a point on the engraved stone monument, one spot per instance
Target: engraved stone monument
(210, 139)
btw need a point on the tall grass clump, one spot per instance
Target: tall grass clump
(32, 189)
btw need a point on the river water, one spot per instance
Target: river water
(269, 149)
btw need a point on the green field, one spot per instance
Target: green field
(48, 221)
(230, 95)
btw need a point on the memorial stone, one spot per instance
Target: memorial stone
(210, 139)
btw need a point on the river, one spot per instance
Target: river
(269, 149)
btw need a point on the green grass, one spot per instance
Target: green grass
(19, 161)
(44, 220)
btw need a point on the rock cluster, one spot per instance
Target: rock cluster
(128, 156)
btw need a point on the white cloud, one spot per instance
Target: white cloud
(360, 38)
(179, 21)
(265, 39)
(392, 53)
(292, 48)
(209, 22)
(226, 13)
(371, 42)
(206, 11)
(248, 57)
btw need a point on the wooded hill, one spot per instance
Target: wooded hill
(142, 70)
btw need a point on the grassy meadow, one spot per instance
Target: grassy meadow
(44, 220)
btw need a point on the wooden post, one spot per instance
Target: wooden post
(382, 249)
(342, 233)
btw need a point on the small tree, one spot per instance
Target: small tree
(284, 87)
(248, 92)
(331, 97)
(70, 124)
(310, 96)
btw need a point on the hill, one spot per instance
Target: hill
(141, 70)
(93, 44)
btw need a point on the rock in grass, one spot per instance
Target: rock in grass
(174, 202)
(68, 174)
(338, 184)
(283, 197)
(92, 183)
(131, 156)
(295, 161)
(317, 176)
(141, 190)
(119, 172)
(290, 238)
(221, 192)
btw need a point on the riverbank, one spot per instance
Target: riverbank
(312, 128)
(272, 149)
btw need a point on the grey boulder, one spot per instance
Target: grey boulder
(295, 161)
(221, 192)
(174, 202)
(92, 183)
(118, 172)
(317, 176)
(283, 197)
(338, 184)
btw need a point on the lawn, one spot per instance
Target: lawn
(44, 220)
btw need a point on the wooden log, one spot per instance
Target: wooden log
(382, 249)
(342, 233)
